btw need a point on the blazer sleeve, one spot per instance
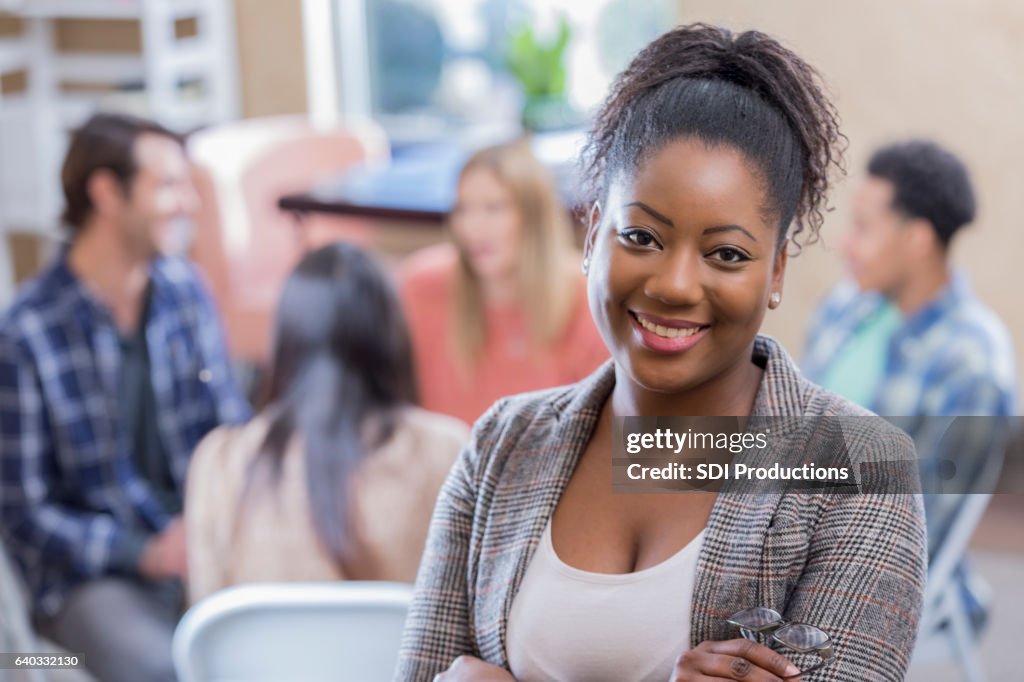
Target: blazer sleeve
(438, 629)
(864, 578)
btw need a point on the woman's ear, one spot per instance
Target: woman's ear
(593, 221)
(779, 273)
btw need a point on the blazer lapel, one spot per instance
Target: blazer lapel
(526, 495)
(735, 561)
(538, 466)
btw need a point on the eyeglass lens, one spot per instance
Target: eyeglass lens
(802, 637)
(757, 618)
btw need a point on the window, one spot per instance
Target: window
(426, 67)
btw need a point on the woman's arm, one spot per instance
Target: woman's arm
(865, 572)
(438, 629)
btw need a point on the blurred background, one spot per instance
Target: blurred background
(324, 119)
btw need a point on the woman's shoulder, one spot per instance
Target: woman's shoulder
(435, 426)
(226, 449)
(432, 266)
(824, 422)
(883, 455)
(538, 423)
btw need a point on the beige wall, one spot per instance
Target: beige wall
(271, 57)
(945, 69)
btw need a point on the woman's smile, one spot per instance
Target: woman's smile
(667, 335)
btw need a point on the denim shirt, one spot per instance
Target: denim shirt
(954, 357)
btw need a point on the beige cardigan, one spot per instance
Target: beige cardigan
(276, 540)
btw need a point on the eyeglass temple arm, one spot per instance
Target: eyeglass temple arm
(826, 658)
(748, 634)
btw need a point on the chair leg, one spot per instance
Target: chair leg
(964, 643)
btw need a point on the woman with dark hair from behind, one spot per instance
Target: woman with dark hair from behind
(337, 475)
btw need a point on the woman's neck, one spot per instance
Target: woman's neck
(501, 290)
(730, 394)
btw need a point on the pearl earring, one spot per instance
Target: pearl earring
(775, 299)
(586, 264)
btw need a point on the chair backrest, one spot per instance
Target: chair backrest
(969, 508)
(244, 243)
(343, 631)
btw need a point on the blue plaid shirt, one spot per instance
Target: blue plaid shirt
(72, 505)
(952, 358)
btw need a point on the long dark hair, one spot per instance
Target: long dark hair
(341, 374)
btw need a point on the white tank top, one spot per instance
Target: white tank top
(571, 625)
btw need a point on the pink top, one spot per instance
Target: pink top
(508, 365)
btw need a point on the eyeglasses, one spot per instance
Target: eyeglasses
(804, 639)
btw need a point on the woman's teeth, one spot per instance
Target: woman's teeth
(668, 332)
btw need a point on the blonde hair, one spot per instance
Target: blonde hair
(544, 244)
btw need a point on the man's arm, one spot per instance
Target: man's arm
(32, 522)
(232, 406)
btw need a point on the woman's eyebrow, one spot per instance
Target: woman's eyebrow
(644, 207)
(711, 230)
(728, 228)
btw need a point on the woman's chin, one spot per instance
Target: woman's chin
(491, 269)
(662, 375)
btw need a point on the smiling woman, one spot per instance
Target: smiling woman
(711, 154)
(502, 309)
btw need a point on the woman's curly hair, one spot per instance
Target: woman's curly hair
(743, 90)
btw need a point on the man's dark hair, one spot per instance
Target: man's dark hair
(929, 182)
(744, 90)
(106, 141)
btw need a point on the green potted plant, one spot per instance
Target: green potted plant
(539, 66)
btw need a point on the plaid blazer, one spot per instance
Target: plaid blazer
(852, 564)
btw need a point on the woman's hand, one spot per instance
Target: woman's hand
(472, 669)
(734, 659)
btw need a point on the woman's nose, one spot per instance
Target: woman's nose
(676, 281)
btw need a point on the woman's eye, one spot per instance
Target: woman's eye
(728, 254)
(638, 237)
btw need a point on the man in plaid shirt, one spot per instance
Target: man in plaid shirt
(112, 368)
(907, 338)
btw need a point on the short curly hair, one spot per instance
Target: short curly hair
(929, 182)
(744, 90)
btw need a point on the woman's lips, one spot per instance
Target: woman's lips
(667, 336)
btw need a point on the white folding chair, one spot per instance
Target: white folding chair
(946, 633)
(343, 631)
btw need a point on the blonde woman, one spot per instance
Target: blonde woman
(502, 309)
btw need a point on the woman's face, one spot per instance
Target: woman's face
(487, 224)
(682, 265)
